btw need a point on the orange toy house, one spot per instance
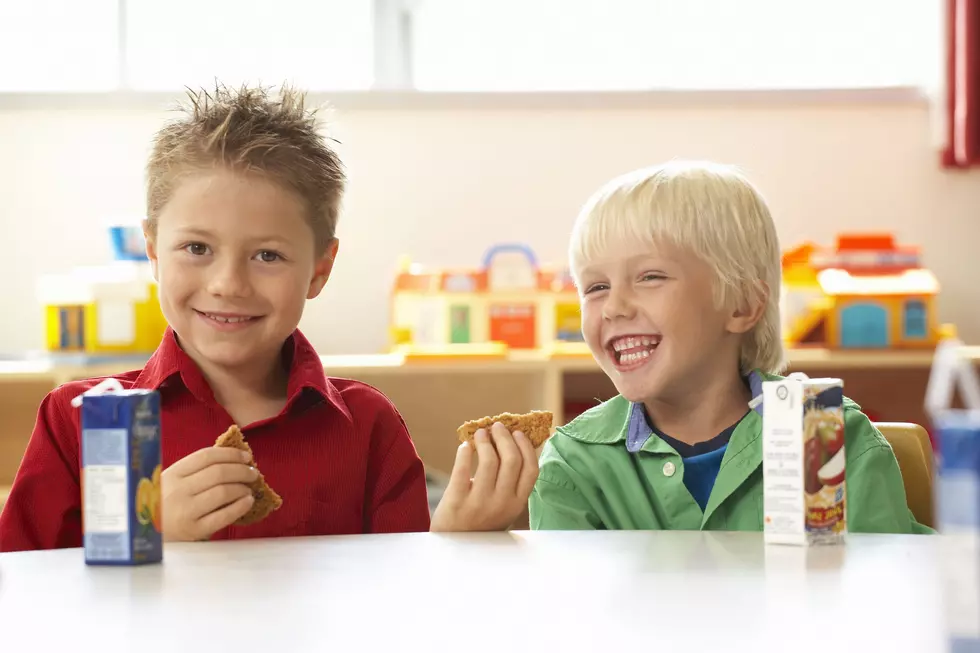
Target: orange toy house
(866, 293)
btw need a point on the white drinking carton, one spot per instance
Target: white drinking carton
(803, 461)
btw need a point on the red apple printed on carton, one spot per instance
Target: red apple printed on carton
(833, 472)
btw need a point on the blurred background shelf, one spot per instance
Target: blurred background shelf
(436, 396)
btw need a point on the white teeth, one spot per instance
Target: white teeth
(631, 350)
(228, 320)
(634, 357)
(623, 344)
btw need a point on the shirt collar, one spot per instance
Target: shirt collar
(639, 430)
(305, 371)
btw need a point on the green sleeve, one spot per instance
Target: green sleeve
(555, 503)
(876, 501)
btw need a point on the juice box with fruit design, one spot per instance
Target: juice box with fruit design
(121, 465)
(803, 462)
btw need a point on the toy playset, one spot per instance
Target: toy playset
(866, 293)
(104, 311)
(508, 303)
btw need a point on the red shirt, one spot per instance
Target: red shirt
(338, 454)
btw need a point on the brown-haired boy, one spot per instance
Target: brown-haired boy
(242, 204)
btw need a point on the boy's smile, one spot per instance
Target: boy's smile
(228, 321)
(632, 351)
(235, 259)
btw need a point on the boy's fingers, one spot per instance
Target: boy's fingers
(198, 460)
(216, 498)
(529, 470)
(219, 474)
(229, 514)
(486, 468)
(459, 478)
(510, 459)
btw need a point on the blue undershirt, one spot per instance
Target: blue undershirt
(701, 461)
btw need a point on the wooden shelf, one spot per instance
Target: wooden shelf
(437, 395)
(830, 359)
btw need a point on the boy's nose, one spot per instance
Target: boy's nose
(619, 305)
(230, 280)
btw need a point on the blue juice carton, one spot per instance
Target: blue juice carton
(958, 511)
(957, 493)
(121, 467)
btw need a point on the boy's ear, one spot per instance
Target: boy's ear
(323, 268)
(151, 249)
(749, 311)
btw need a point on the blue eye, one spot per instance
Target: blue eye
(268, 256)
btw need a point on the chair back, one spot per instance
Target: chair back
(913, 449)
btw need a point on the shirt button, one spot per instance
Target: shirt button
(669, 469)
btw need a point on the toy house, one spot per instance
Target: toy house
(101, 310)
(866, 293)
(509, 301)
(106, 310)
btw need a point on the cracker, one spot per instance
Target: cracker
(266, 499)
(536, 425)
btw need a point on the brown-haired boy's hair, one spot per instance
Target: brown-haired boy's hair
(250, 131)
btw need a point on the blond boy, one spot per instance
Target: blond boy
(678, 271)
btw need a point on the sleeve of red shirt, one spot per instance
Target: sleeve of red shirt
(397, 497)
(44, 509)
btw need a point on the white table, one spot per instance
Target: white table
(547, 592)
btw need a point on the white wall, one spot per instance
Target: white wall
(444, 184)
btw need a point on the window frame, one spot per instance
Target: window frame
(393, 85)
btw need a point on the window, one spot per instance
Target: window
(327, 44)
(58, 45)
(469, 45)
(915, 319)
(522, 45)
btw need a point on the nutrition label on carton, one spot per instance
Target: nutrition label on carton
(785, 487)
(782, 462)
(105, 478)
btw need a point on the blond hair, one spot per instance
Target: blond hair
(250, 131)
(711, 210)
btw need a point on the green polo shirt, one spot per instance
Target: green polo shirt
(590, 479)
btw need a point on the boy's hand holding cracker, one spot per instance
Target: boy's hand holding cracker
(205, 492)
(506, 472)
